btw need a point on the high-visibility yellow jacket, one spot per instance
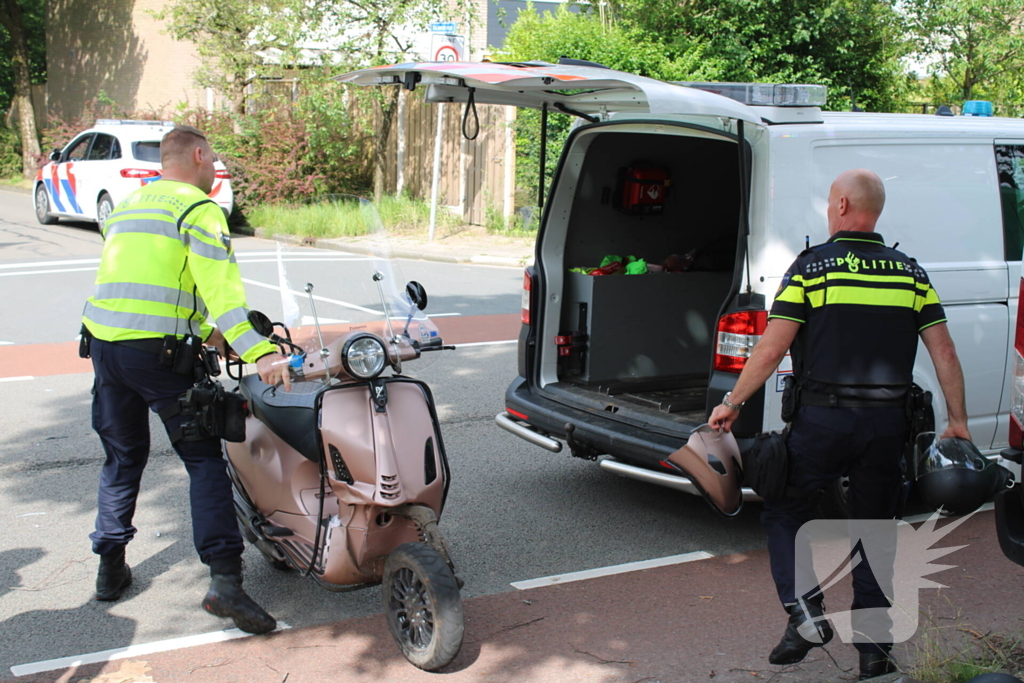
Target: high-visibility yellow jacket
(156, 279)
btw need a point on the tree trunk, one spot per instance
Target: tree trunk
(11, 19)
(389, 105)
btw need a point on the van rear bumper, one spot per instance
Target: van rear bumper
(552, 420)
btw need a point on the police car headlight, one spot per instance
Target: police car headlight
(364, 357)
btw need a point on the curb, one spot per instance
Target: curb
(15, 189)
(402, 253)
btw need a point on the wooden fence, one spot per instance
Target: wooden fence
(476, 176)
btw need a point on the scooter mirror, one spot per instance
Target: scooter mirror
(261, 323)
(417, 294)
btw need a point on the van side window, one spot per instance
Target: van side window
(1010, 165)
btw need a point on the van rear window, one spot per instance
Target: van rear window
(1010, 164)
(147, 151)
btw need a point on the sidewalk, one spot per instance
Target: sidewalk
(709, 620)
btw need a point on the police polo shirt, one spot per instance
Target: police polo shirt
(861, 306)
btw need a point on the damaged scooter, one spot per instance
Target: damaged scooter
(344, 477)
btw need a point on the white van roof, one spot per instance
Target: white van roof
(587, 90)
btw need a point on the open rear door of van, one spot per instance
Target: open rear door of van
(586, 91)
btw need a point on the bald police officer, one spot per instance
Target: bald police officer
(168, 270)
(851, 310)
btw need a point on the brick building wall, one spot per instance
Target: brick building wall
(115, 46)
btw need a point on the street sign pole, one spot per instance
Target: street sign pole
(437, 171)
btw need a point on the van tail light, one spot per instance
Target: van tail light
(1017, 389)
(527, 288)
(738, 333)
(139, 173)
(225, 175)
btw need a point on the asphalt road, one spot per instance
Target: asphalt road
(516, 512)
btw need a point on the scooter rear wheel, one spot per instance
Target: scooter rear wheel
(423, 606)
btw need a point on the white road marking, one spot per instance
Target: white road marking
(49, 272)
(16, 379)
(493, 343)
(926, 515)
(609, 571)
(134, 651)
(343, 304)
(333, 259)
(6, 343)
(303, 251)
(31, 514)
(42, 264)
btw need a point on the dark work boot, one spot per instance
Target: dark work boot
(874, 664)
(227, 599)
(806, 629)
(114, 576)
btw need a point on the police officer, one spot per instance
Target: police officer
(851, 309)
(168, 270)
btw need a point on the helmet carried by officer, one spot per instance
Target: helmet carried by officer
(952, 475)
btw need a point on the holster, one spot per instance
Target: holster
(766, 467)
(209, 412)
(790, 398)
(85, 343)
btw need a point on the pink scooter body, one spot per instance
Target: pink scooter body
(386, 471)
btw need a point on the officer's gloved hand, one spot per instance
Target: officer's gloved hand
(275, 369)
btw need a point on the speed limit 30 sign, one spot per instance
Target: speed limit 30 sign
(448, 48)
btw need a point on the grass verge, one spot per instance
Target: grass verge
(339, 218)
(956, 653)
(16, 181)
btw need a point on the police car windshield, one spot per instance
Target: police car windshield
(147, 151)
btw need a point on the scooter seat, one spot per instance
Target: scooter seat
(291, 414)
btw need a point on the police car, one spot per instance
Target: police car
(102, 166)
(721, 186)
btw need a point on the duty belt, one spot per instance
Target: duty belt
(152, 345)
(811, 398)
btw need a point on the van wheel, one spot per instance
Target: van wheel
(834, 503)
(423, 606)
(42, 203)
(104, 208)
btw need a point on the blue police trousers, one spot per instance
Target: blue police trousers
(865, 444)
(128, 382)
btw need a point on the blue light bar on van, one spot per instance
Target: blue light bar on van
(766, 94)
(977, 108)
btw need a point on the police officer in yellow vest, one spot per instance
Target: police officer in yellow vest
(167, 271)
(852, 310)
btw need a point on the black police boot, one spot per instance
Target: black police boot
(874, 664)
(114, 576)
(227, 599)
(805, 630)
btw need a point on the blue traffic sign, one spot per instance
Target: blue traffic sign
(442, 27)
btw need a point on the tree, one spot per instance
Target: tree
(976, 48)
(587, 35)
(232, 38)
(13, 20)
(853, 46)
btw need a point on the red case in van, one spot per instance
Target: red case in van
(643, 190)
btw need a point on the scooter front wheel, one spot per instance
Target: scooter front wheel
(423, 606)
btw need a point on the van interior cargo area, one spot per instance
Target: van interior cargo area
(645, 342)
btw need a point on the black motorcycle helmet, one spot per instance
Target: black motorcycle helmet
(953, 477)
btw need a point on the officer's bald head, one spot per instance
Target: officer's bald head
(178, 145)
(855, 201)
(186, 156)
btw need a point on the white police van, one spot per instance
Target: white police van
(103, 165)
(622, 368)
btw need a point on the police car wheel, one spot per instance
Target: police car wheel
(43, 206)
(104, 208)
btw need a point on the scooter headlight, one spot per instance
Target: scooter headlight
(364, 357)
